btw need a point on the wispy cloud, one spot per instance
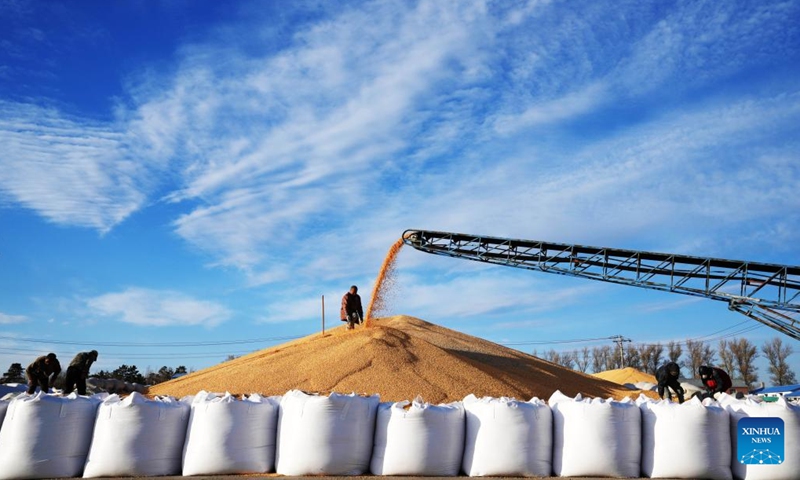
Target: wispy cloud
(71, 171)
(146, 307)
(306, 162)
(672, 304)
(6, 319)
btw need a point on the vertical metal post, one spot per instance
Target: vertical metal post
(323, 315)
(619, 340)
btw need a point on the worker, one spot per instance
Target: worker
(715, 380)
(667, 377)
(42, 373)
(352, 313)
(78, 372)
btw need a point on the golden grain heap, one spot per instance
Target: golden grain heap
(622, 376)
(399, 358)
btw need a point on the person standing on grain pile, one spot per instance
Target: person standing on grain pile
(352, 313)
(78, 371)
(42, 373)
(667, 377)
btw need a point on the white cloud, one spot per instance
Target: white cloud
(70, 171)
(549, 112)
(6, 319)
(300, 136)
(146, 307)
(306, 162)
(365, 137)
(482, 293)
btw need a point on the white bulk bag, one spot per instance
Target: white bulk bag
(420, 439)
(595, 437)
(689, 440)
(3, 408)
(46, 436)
(226, 435)
(789, 469)
(11, 390)
(320, 435)
(137, 437)
(505, 437)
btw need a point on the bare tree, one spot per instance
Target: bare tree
(583, 359)
(726, 359)
(602, 359)
(565, 359)
(709, 354)
(651, 356)
(694, 356)
(568, 360)
(779, 371)
(674, 351)
(744, 355)
(553, 356)
(698, 354)
(597, 360)
(612, 358)
(632, 358)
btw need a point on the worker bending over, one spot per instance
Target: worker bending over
(715, 380)
(42, 373)
(352, 313)
(667, 377)
(78, 372)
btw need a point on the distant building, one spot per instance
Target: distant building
(739, 386)
(692, 385)
(790, 392)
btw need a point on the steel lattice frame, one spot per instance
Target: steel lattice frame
(765, 292)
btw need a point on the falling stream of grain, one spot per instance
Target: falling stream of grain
(378, 302)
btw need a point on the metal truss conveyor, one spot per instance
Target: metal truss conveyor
(768, 293)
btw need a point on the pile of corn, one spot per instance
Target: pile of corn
(398, 358)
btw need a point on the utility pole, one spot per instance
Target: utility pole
(619, 340)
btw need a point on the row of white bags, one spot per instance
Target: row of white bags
(334, 436)
(350, 435)
(301, 435)
(661, 439)
(45, 436)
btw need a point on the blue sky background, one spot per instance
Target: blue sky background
(203, 171)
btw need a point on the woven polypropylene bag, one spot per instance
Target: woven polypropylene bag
(595, 437)
(325, 435)
(418, 439)
(226, 435)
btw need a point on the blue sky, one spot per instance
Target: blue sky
(204, 171)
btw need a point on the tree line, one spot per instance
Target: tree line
(127, 373)
(736, 356)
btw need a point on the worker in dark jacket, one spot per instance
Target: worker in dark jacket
(352, 313)
(42, 373)
(78, 372)
(716, 380)
(667, 377)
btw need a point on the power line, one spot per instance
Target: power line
(553, 342)
(138, 355)
(702, 338)
(685, 342)
(152, 344)
(619, 340)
